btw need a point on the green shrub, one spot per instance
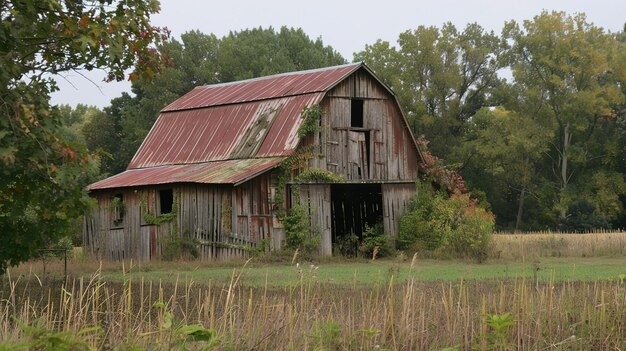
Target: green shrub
(41, 337)
(296, 226)
(417, 230)
(297, 230)
(327, 336)
(436, 221)
(175, 248)
(75, 232)
(374, 238)
(472, 236)
(317, 175)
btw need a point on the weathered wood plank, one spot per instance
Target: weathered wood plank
(395, 199)
(316, 200)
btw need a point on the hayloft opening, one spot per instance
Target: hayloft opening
(353, 206)
(356, 114)
(166, 199)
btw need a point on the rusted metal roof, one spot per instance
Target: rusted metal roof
(281, 85)
(252, 129)
(226, 133)
(220, 172)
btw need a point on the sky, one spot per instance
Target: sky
(347, 26)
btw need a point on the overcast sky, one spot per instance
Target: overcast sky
(345, 25)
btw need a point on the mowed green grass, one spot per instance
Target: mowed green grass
(378, 272)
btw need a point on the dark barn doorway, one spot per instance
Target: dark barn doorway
(353, 206)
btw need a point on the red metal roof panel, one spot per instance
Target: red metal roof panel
(281, 85)
(253, 129)
(220, 172)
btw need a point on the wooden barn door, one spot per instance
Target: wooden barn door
(316, 200)
(358, 155)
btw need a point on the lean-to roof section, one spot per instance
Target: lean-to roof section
(219, 172)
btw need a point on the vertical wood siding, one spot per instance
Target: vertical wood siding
(316, 200)
(223, 220)
(395, 199)
(392, 153)
(359, 85)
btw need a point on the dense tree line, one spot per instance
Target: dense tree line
(544, 148)
(534, 118)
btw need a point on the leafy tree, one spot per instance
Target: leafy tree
(442, 76)
(562, 66)
(74, 119)
(602, 190)
(259, 52)
(42, 174)
(101, 133)
(191, 62)
(509, 146)
(559, 129)
(619, 151)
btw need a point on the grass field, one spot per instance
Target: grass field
(370, 273)
(532, 245)
(542, 299)
(347, 272)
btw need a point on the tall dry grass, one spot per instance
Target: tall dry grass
(550, 244)
(310, 315)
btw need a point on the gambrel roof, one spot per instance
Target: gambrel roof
(228, 133)
(280, 85)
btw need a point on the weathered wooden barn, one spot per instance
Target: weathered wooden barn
(213, 167)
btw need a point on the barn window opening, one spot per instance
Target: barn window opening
(117, 209)
(166, 199)
(356, 114)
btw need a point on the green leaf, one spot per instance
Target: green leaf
(168, 320)
(197, 332)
